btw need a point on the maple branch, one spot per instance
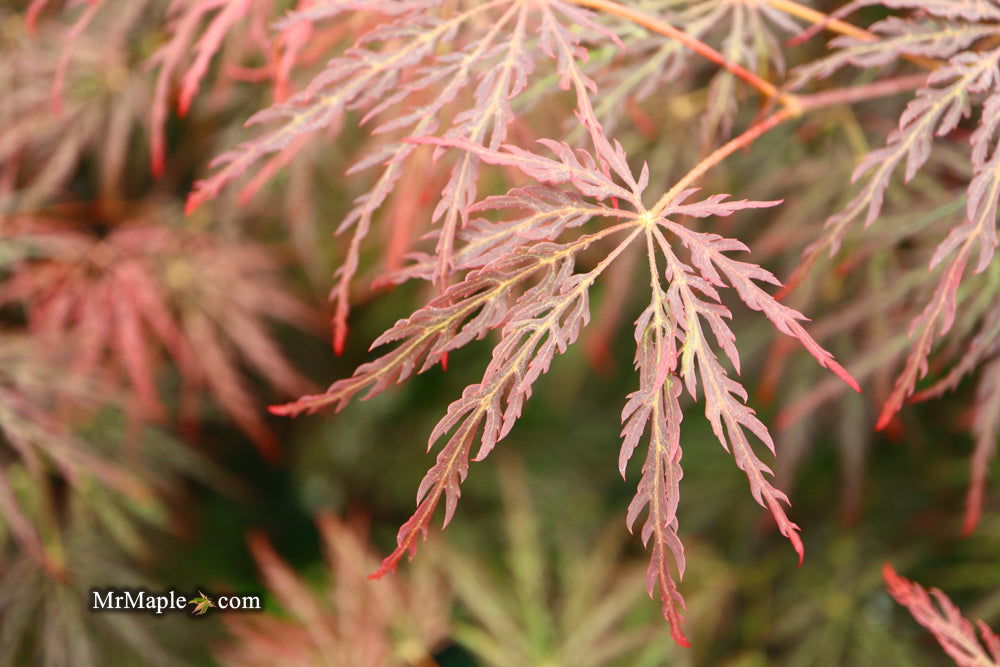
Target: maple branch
(850, 95)
(823, 21)
(660, 26)
(933, 610)
(815, 17)
(804, 103)
(720, 154)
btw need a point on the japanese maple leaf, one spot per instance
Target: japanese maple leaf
(121, 301)
(202, 604)
(531, 286)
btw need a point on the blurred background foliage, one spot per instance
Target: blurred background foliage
(537, 567)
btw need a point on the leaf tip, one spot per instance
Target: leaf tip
(283, 410)
(339, 340)
(884, 418)
(389, 564)
(892, 580)
(799, 548)
(842, 373)
(973, 510)
(194, 200)
(156, 164)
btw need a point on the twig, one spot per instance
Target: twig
(720, 154)
(827, 22)
(815, 17)
(660, 26)
(804, 103)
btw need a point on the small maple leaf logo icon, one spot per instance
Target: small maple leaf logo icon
(201, 604)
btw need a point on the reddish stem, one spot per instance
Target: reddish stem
(868, 91)
(660, 26)
(720, 154)
(803, 103)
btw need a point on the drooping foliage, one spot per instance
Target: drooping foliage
(487, 159)
(200, 301)
(956, 41)
(944, 620)
(525, 283)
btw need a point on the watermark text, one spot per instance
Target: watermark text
(158, 603)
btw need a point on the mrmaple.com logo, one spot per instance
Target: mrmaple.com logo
(158, 603)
